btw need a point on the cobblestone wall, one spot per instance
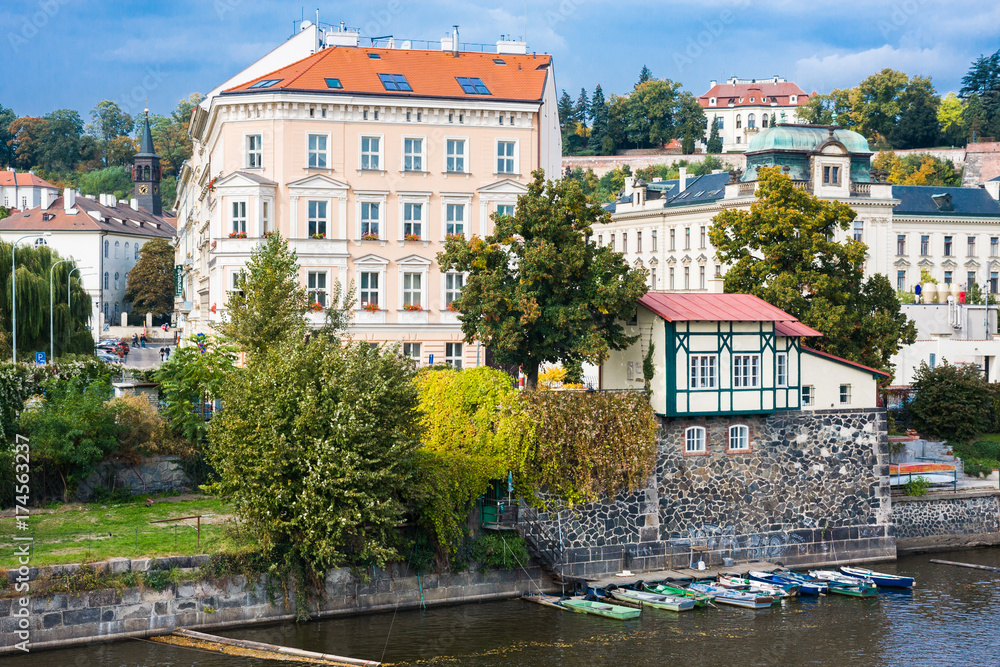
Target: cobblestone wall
(812, 487)
(974, 513)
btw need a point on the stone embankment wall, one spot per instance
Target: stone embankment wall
(944, 521)
(813, 488)
(602, 164)
(64, 619)
(158, 474)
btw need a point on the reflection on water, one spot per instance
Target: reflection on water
(949, 619)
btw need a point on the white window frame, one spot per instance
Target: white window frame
(313, 290)
(412, 351)
(325, 219)
(233, 275)
(695, 438)
(370, 198)
(703, 371)
(464, 156)
(845, 394)
(781, 369)
(466, 208)
(413, 225)
(514, 160)
(117, 249)
(512, 207)
(808, 395)
(379, 272)
(450, 358)
(411, 198)
(746, 371)
(421, 155)
(740, 435)
(448, 290)
(379, 155)
(411, 295)
(253, 158)
(238, 218)
(317, 152)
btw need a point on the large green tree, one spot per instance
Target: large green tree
(714, 144)
(7, 116)
(917, 126)
(950, 401)
(150, 286)
(537, 289)
(111, 127)
(598, 123)
(784, 250)
(983, 82)
(111, 180)
(950, 118)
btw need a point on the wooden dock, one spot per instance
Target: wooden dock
(682, 573)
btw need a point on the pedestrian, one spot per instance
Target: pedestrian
(142, 339)
(162, 351)
(168, 352)
(135, 340)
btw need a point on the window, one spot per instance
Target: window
(739, 121)
(739, 438)
(455, 219)
(266, 215)
(687, 238)
(652, 278)
(369, 288)
(703, 371)
(901, 244)
(508, 209)
(994, 246)
(106, 276)
(673, 239)
(831, 175)
(947, 277)
(763, 118)
(947, 246)
(234, 283)
(901, 280)
(505, 157)
(808, 395)
(106, 244)
(746, 370)
(653, 234)
(453, 284)
(687, 277)
(395, 82)
(117, 278)
(993, 282)
(412, 351)
(970, 279)
(781, 368)
(333, 83)
(473, 85)
(611, 243)
(638, 241)
(42, 242)
(694, 440)
(370, 152)
(719, 123)
(455, 155)
(701, 277)
(317, 219)
(370, 219)
(254, 151)
(624, 242)
(374, 56)
(317, 151)
(600, 240)
(671, 276)
(117, 248)
(859, 230)
(751, 120)
(266, 83)
(933, 359)
(413, 215)
(413, 154)
(925, 245)
(412, 290)
(703, 238)
(453, 355)
(316, 281)
(845, 394)
(135, 251)
(971, 252)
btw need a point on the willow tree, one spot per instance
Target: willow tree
(34, 271)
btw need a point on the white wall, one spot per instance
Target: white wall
(826, 376)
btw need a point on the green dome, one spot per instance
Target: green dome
(804, 138)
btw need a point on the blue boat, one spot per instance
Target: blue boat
(881, 579)
(789, 586)
(809, 585)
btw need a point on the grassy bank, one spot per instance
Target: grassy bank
(82, 533)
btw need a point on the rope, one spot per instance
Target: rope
(521, 565)
(382, 659)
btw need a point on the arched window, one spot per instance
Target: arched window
(116, 285)
(126, 250)
(763, 120)
(40, 242)
(694, 440)
(751, 120)
(739, 438)
(117, 248)
(105, 309)
(105, 287)
(739, 121)
(116, 310)
(136, 251)
(145, 173)
(105, 249)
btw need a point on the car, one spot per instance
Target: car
(108, 358)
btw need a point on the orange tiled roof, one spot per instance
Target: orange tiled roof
(761, 91)
(23, 178)
(429, 73)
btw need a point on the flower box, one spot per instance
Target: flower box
(413, 306)
(316, 307)
(268, 235)
(411, 237)
(371, 307)
(369, 236)
(317, 236)
(451, 307)
(237, 235)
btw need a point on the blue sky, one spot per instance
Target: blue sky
(74, 53)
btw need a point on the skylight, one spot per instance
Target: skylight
(395, 82)
(374, 56)
(499, 61)
(333, 83)
(473, 85)
(266, 83)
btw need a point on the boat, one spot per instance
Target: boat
(700, 599)
(790, 587)
(736, 598)
(859, 590)
(809, 585)
(834, 577)
(759, 587)
(600, 609)
(879, 578)
(654, 600)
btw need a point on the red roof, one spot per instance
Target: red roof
(428, 73)
(846, 362)
(24, 178)
(120, 219)
(762, 93)
(692, 307)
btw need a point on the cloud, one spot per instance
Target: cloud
(845, 69)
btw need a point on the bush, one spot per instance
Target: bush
(499, 551)
(143, 432)
(917, 486)
(950, 402)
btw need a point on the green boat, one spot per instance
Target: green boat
(700, 599)
(654, 600)
(600, 609)
(853, 591)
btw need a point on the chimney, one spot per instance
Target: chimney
(102, 199)
(682, 180)
(112, 201)
(69, 201)
(454, 43)
(134, 203)
(46, 198)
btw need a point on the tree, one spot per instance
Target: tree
(783, 250)
(110, 125)
(875, 104)
(691, 122)
(7, 116)
(644, 76)
(598, 122)
(194, 376)
(918, 125)
(318, 449)
(170, 134)
(983, 82)
(150, 286)
(582, 108)
(950, 119)
(61, 146)
(950, 401)
(28, 138)
(537, 290)
(714, 144)
(918, 169)
(112, 180)
(268, 304)
(568, 123)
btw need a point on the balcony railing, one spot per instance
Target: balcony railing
(861, 189)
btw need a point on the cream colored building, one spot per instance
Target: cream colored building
(366, 159)
(743, 107)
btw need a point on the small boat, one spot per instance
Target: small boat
(759, 587)
(654, 600)
(809, 585)
(730, 596)
(834, 577)
(700, 599)
(880, 578)
(600, 609)
(859, 590)
(790, 587)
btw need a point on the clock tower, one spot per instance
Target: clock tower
(146, 173)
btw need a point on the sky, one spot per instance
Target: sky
(71, 54)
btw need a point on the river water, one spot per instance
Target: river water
(951, 618)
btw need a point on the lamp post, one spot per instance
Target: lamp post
(69, 276)
(13, 289)
(52, 338)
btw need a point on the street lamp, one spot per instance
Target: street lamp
(13, 288)
(52, 338)
(69, 292)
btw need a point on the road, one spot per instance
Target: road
(145, 357)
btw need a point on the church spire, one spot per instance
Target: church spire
(146, 143)
(146, 172)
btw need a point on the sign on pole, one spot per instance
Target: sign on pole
(40, 358)
(178, 280)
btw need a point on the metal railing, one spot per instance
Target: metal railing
(546, 549)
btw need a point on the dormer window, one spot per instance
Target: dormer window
(751, 99)
(395, 82)
(711, 101)
(793, 99)
(831, 175)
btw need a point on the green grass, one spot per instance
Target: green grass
(980, 455)
(84, 533)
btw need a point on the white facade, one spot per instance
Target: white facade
(24, 190)
(830, 383)
(953, 332)
(743, 107)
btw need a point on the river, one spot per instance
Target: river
(951, 618)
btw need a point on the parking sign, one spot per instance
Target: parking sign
(40, 358)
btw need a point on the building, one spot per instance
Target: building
(23, 191)
(723, 355)
(103, 235)
(366, 159)
(743, 107)
(957, 332)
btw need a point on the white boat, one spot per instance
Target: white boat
(840, 578)
(654, 600)
(736, 598)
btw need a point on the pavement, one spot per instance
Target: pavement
(145, 357)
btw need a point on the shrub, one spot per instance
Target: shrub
(143, 432)
(500, 551)
(917, 486)
(950, 402)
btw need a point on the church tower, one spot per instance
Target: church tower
(146, 173)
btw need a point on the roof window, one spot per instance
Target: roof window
(374, 56)
(395, 82)
(333, 83)
(499, 61)
(473, 85)
(266, 83)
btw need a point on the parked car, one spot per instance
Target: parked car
(108, 358)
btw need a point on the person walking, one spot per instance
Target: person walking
(162, 351)
(142, 339)
(135, 340)
(168, 352)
